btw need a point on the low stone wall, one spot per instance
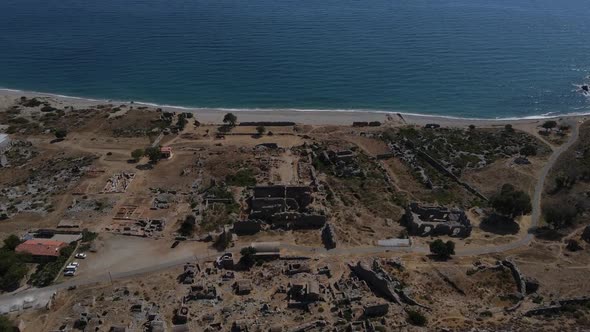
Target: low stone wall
(438, 166)
(376, 282)
(556, 307)
(519, 278)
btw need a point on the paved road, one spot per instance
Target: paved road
(8, 300)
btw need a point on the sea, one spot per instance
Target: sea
(459, 58)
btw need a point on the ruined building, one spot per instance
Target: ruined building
(344, 162)
(285, 207)
(426, 220)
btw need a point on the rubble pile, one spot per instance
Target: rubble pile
(33, 194)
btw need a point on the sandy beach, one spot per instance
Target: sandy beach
(309, 117)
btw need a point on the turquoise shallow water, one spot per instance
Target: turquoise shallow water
(466, 58)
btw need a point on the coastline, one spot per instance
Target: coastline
(301, 116)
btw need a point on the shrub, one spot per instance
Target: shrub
(441, 249)
(260, 130)
(187, 228)
(33, 102)
(416, 318)
(60, 133)
(47, 109)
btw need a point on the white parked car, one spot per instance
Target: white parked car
(74, 263)
(80, 255)
(70, 273)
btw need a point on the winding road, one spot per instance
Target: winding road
(38, 295)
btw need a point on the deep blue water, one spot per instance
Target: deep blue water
(469, 58)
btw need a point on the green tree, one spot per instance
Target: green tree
(137, 154)
(12, 269)
(230, 119)
(442, 250)
(11, 242)
(187, 228)
(559, 215)
(60, 133)
(508, 128)
(153, 153)
(182, 121)
(471, 127)
(248, 256)
(511, 202)
(260, 130)
(549, 125)
(223, 241)
(11, 279)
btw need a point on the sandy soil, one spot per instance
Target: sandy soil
(313, 117)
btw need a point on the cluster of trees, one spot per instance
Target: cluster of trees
(153, 153)
(511, 202)
(559, 214)
(182, 120)
(442, 250)
(12, 264)
(528, 150)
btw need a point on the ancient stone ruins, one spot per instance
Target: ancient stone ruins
(426, 220)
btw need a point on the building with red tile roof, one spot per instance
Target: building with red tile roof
(166, 152)
(41, 247)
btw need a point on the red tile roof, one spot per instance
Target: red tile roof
(41, 247)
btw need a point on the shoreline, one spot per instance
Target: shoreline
(301, 116)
